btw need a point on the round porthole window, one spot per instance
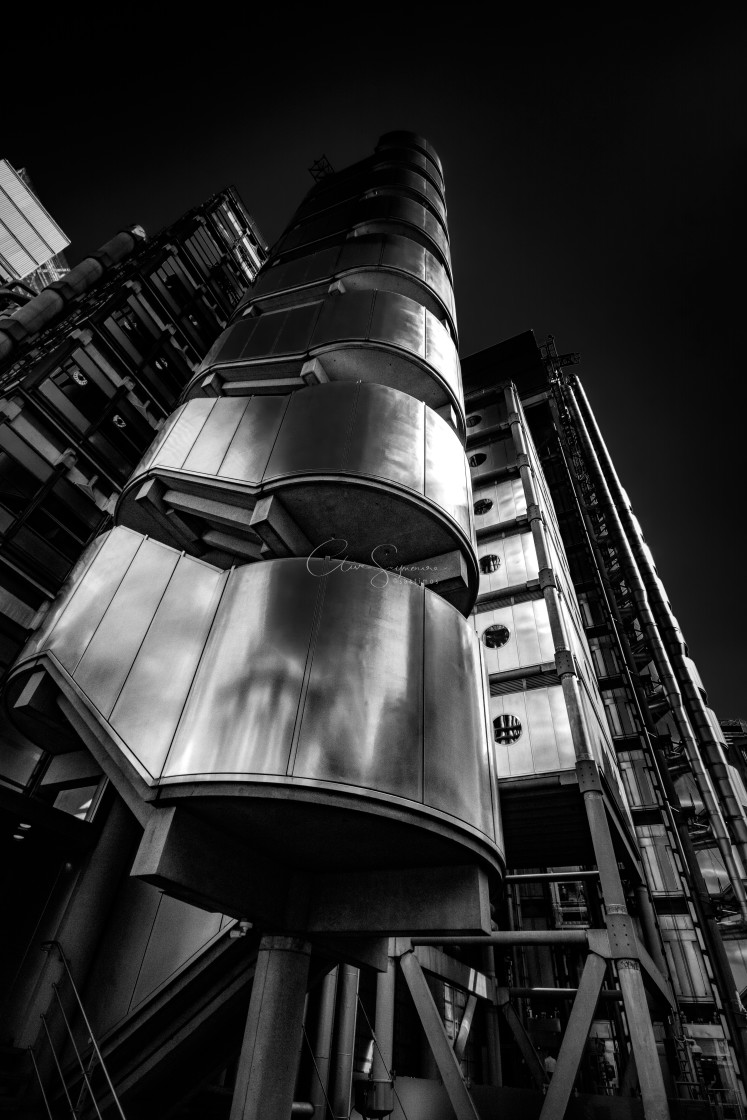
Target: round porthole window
(473, 419)
(483, 505)
(496, 636)
(489, 563)
(506, 729)
(476, 459)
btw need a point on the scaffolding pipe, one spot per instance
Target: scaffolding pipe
(660, 657)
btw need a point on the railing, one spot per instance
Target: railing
(79, 1084)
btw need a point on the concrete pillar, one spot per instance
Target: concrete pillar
(271, 1049)
(347, 1005)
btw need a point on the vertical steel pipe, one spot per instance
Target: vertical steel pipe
(347, 1005)
(634, 997)
(689, 695)
(322, 1053)
(659, 654)
(381, 1069)
(492, 1025)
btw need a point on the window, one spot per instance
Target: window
(473, 419)
(489, 563)
(506, 729)
(477, 459)
(483, 505)
(496, 636)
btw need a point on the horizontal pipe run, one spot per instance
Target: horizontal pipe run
(511, 937)
(559, 993)
(551, 877)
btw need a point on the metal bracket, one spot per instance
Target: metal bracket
(564, 663)
(547, 578)
(588, 775)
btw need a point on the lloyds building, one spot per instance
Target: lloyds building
(360, 766)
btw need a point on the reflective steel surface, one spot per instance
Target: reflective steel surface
(381, 212)
(391, 262)
(331, 678)
(357, 463)
(378, 336)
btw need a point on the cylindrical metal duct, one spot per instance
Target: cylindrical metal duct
(659, 653)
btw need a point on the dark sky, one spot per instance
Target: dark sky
(596, 181)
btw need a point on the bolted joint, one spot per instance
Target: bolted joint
(513, 418)
(588, 775)
(564, 663)
(534, 513)
(522, 460)
(546, 578)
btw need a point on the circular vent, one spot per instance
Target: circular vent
(506, 729)
(496, 636)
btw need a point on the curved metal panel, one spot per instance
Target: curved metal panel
(390, 262)
(312, 677)
(363, 730)
(364, 464)
(454, 714)
(380, 213)
(242, 707)
(378, 336)
(401, 138)
(388, 177)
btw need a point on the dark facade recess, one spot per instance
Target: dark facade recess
(353, 763)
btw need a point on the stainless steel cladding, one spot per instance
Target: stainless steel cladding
(389, 262)
(383, 213)
(360, 469)
(373, 336)
(291, 681)
(532, 733)
(372, 179)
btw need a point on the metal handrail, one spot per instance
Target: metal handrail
(47, 945)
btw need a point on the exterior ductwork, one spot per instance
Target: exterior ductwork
(624, 540)
(43, 309)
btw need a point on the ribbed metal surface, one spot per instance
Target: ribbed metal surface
(28, 236)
